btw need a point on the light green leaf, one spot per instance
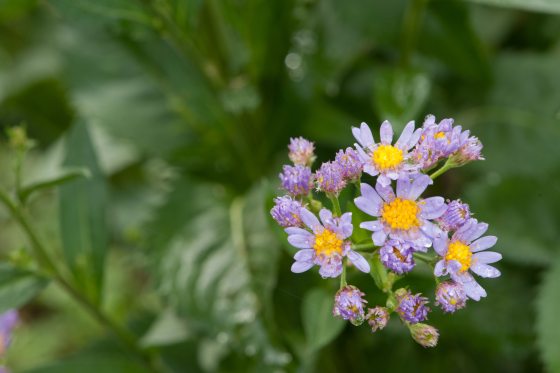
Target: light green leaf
(320, 326)
(18, 286)
(545, 6)
(548, 308)
(64, 177)
(82, 214)
(167, 329)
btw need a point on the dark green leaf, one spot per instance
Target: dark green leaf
(18, 287)
(548, 308)
(547, 6)
(320, 326)
(82, 214)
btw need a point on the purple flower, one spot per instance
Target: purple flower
(296, 180)
(350, 164)
(402, 216)
(329, 178)
(451, 296)
(388, 161)
(412, 307)
(396, 256)
(457, 214)
(425, 335)
(377, 318)
(469, 151)
(325, 245)
(8, 320)
(349, 304)
(464, 252)
(301, 151)
(286, 212)
(438, 141)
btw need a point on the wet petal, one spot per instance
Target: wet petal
(386, 133)
(326, 217)
(403, 187)
(310, 220)
(439, 269)
(484, 270)
(372, 225)
(304, 255)
(419, 185)
(379, 237)
(403, 140)
(359, 261)
(299, 267)
(296, 230)
(363, 135)
(301, 241)
(487, 257)
(483, 243)
(385, 192)
(432, 208)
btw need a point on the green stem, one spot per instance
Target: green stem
(336, 205)
(343, 275)
(363, 246)
(446, 167)
(425, 258)
(127, 339)
(411, 24)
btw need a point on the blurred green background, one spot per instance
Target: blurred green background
(182, 110)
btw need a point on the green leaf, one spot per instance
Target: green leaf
(548, 308)
(400, 95)
(545, 6)
(18, 287)
(65, 177)
(380, 274)
(167, 329)
(82, 214)
(320, 326)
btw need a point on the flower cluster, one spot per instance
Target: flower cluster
(405, 227)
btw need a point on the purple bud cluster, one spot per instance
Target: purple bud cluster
(349, 304)
(397, 256)
(450, 296)
(412, 308)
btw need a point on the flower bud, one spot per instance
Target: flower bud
(425, 335)
(286, 212)
(450, 296)
(377, 318)
(297, 180)
(349, 304)
(301, 151)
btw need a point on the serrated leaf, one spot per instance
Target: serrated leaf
(548, 308)
(82, 214)
(547, 6)
(320, 326)
(18, 286)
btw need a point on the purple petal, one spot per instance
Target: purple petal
(386, 133)
(304, 255)
(296, 230)
(301, 241)
(431, 230)
(370, 170)
(419, 185)
(487, 257)
(310, 220)
(359, 261)
(299, 267)
(326, 217)
(414, 138)
(474, 290)
(403, 187)
(385, 192)
(476, 232)
(484, 270)
(363, 135)
(483, 243)
(439, 269)
(346, 224)
(432, 207)
(403, 140)
(372, 225)
(384, 180)
(379, 237)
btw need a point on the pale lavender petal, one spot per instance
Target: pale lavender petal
(383, 180)
(472, 288)
(484, 270)
(299, 267)
(432, 208)
(439, 269)
(431, 230)
(367, 205)
(304, 255)
(414, 139)
(379, 238)
(483, 243)
(326, 217)
(310, 220)
(361, 153)
(363, 135)
(419, 185)
(403, 140)
(386, 133)
(346, 224)
(477, 231)
(370, 170)
(372, 225)
(295, 230)
(301, 241)
(385, 192)
(487, 257)
(403, 187)
(393, 175)
(359, 261)
(440, 245)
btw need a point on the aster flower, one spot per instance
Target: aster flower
(396, 256)
(457, 214)
(412, 308)
(326, 245)
(466, 251)
(401, 216)
(388, 161)
(349, 304)
(301, 151)
(296, 180)
(425, 335)
(329, 178)
(350, 164)
(8, 321)
(286, 212)
(450, 296)
(377, 318)
(469, 151)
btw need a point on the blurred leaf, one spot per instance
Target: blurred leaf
(167, 329)
(92, 364)
(400, 95)
(548, 308)
(65, 177)
(548, 6)
(17, 287)
(82, 214)
(320, 326)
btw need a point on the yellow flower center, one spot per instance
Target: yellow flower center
(460, 252)
(401, 214)
(327, 243)
(387, 157)
(439, 135)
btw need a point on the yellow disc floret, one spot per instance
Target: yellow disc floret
(460, 252)
(387, 157)
(401, 214)
(327, 243)
(439, 135)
